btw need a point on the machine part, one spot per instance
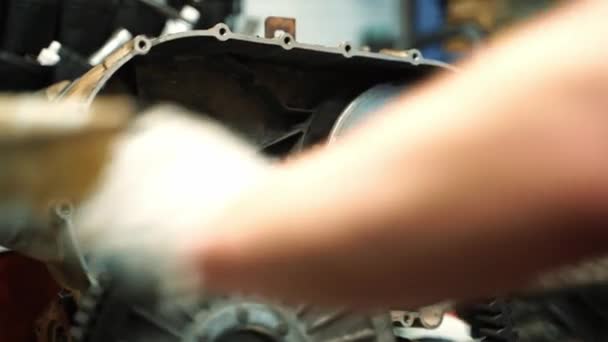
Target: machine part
(490, 322)
(59, 139)
(163, 8)
(68, 64)
(71, 270)
(55, 323)
(429, 317)
(108, 314)
(117, 40)
(267, 90)
(365, 105)
(53, 242)
(30, 26)
(452, 329)
(189, 17)
(278, 26)
(574, 316)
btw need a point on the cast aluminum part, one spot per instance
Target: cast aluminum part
(71, 269)
(118, 39)
(53, 241)
(364, 106)
(90, 85)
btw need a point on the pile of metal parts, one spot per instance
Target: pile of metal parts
(284, 97)
(45, 41)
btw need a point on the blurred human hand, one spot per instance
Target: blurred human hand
(469, 186)
(166, 177)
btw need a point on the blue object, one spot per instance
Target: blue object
(429, 17)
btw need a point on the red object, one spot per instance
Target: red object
(26, 289)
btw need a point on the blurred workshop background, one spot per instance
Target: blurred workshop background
(46, 41)
(441, 29)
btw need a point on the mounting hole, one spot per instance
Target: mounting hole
(415, 55)
(348, 48)
(64, 209)
(287, 40)
(142, 45)
(223, 31)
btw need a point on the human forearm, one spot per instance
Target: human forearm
(465, 187)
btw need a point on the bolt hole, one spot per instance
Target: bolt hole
(415, 56)
(142, 44)
(64, 209)
(348, 48)
(287, 40)
(223, 31)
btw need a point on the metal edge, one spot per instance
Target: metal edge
(223, 33)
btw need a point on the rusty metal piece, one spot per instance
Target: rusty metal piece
(276, 25)
(54, 324)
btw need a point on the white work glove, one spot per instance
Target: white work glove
(167, 176)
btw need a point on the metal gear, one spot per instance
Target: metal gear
(108, 313)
